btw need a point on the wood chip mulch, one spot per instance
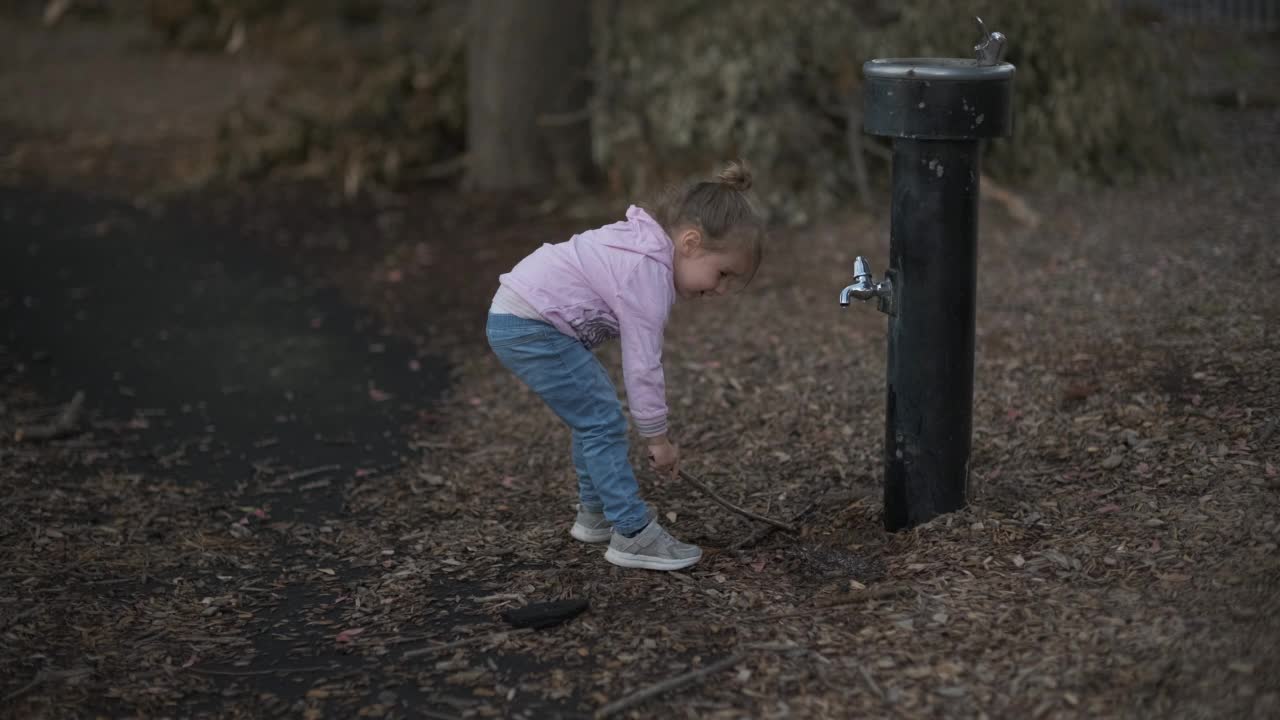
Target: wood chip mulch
(1118, 557)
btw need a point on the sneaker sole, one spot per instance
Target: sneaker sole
(588, 535)
(642, 562)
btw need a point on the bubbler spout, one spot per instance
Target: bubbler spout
(865, 287)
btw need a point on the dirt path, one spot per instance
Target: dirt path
(88, 101)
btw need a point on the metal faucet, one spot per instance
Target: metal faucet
(990, 47)
(864, 288)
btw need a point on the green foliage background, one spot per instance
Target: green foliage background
(683, 85)
(688, 83)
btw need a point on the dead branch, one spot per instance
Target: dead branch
(54, 10)
(300, 474)
(502, 635)
(440, 170)
(759, 535)
(879, 151)
(43, 677)
(501, 597)
(882, 592)
(866, 675)
(266, 671)
(745, 513)
(564, 119)
(145, 522)
(24, 614)
(678, 681)
(1014, 204)
(853, 136)
(66, 422)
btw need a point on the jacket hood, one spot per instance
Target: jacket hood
(653, 241)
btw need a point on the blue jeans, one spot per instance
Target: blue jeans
(569, 378)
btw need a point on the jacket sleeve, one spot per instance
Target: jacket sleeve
(643, 305)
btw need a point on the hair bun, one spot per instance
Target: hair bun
(736, 176)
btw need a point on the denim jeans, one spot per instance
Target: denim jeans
(569, 378)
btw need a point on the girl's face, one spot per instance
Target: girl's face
(702, 273)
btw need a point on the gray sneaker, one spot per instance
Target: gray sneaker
(652, 549)
(591, 527)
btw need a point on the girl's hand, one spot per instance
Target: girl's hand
(664, 457)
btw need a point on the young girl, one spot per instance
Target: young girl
(620, 280)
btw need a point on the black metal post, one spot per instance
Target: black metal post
(933, 265)
(937, 110)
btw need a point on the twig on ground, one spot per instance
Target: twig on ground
(866, 675)
(434, 715)
(745, 513)
(410, 654)
(39, 678)
(876, 593)
(640, 696)
(67, 421)
(140, 526)
(265, 671)
(24, 614)
(756, 537)
(501, 597)
(300, 474)
(45, 676)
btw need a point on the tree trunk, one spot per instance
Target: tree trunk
(528, 77)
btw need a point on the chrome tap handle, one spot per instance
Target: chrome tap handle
(860, 270)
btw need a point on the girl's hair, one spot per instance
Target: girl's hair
(722, 209)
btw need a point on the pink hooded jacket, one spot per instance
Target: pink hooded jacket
(614, 281)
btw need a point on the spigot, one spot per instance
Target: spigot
(865, 287)
(991, 45)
